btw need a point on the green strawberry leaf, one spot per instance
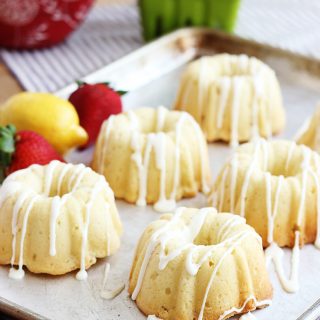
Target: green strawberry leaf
(80, 83)
(121, 92)
(107, 83)
(7, 148)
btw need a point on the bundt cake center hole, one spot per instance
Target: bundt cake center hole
(277, 172)
(205, 240)
(287, 170)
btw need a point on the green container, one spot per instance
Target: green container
(162, 16)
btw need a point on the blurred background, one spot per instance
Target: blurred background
(40, 52)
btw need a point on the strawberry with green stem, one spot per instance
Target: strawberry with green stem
(19, 150)
(95, 103)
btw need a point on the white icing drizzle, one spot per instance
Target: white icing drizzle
(265, 154)
(186, 94)
(201, 85)
(257, 303)
(275, 253)
(107, 294)
(243, 63)
(150, 248)
(17, 206)
(49, 176)
(106, 131)
(55, 210)
(78, 169)
(302, 130)
(193, 267)
(163, 204)
(201, 143)
(161, 117)
(26, 200)
(82, 274)
(258, 92)
(228, 225)
(216, 268)
(19, 273)
(223, 182)
(248, 316)
(177, 170)
(157, 142)
(227, 82)
(233, 181)
(188, 234)
(134, 121)
(289, 156)
(108, 229)
(273, 215)
(305, 167)
(63, 172)
(153, 317)
(225, 85)
(80, 177)
(248, 175)
(143, 169)
(237, 86)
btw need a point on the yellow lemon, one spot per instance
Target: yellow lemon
(52, 117)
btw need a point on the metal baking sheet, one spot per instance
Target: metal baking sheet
(151, 74)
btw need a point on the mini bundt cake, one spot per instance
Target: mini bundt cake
(56, 218)
(198, 264)
(153, 156)
(220, 90)
(275, 186)
(309, 134)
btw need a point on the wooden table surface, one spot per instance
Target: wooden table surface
(9, 84)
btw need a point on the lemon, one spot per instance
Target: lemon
(50, 116)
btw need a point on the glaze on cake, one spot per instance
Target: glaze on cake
(198, 264)
(276, 186)
(233, 98)
(56, 218)
(153, 156)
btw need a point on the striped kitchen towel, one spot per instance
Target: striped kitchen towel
(108, 33)
(113, 31)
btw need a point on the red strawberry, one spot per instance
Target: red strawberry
(22, 149)
(94, 104)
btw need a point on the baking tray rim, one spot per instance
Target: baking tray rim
(14, 309)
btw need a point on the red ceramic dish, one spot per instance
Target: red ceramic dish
(27, 24)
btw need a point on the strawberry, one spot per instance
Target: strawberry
(94, 104)
(19, 150)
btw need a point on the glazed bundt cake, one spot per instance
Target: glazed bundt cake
(153, 156)
(198, 264)
(56, 218)
(275, 186)
(220, 90)
(309, 134)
